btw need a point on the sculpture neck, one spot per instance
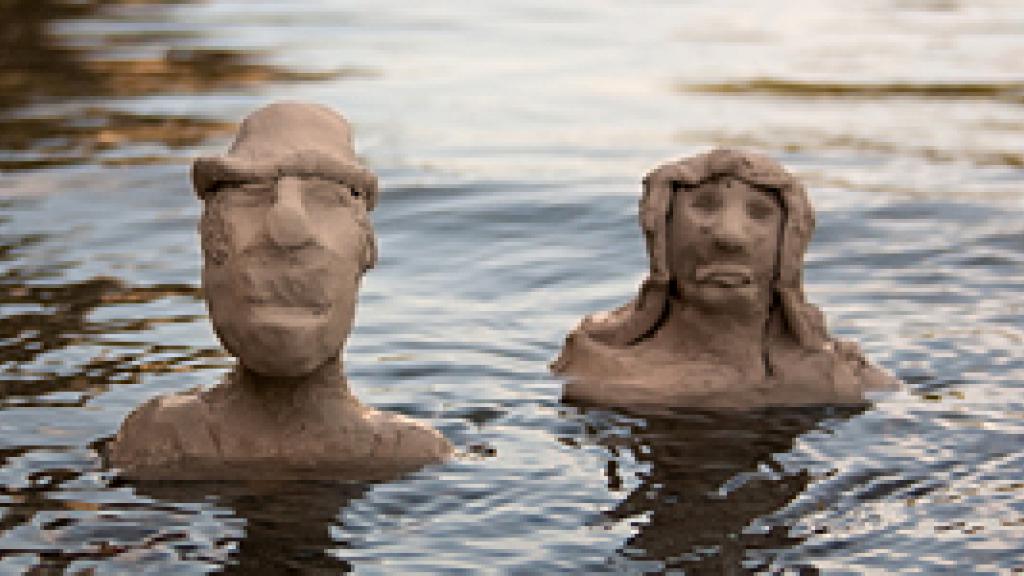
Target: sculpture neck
(287, 390)
(725, 337)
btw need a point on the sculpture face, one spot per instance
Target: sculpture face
(282, 263)
(723, 245)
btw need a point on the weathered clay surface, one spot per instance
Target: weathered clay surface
(286, 238)
(721, 320)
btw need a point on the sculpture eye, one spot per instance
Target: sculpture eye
(327, 193)
(760, 209)
(707, 201)
(254, 193)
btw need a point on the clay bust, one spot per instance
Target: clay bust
(286, 238)
(721, 319)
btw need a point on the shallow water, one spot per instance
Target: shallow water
(510, 140)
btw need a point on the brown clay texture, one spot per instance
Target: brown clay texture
(286, 238)
(721, 320)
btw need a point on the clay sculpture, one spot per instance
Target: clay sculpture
(721, 320)
(286, 238)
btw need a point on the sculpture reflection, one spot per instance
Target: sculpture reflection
(286, 238)
(287, 524)
(721, 320)
(709, 476)
(59, 96)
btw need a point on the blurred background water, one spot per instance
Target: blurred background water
(510, 139)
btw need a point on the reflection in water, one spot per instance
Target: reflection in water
(287, 525)
(708, 476)
(62, 344)
(1005, 91)
(44, 65)
(256, 528)
(40, 142)
(40, 319)
(818, 141)
(34, 63)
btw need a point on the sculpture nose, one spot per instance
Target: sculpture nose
(288, 224)
(730, 231)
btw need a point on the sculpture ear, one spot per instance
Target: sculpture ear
(368, 258)
(368, 191)
(213, 234)
(369, 253)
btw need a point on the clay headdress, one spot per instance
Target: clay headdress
(640, 317)
(288, 139)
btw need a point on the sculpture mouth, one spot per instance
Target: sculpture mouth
(725, 275)
(288, 315)
(278, 290)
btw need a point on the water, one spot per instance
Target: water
(510, 139)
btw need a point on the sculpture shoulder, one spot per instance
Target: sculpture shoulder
(211, 434)
(163, 430)
(403, 439)
(839, 373)
(638, 375)
(582, 355)
(854, 370)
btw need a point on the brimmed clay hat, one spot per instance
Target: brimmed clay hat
(638, 317)
(288, 139)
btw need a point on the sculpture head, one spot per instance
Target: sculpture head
(286, 237)
(749, 250)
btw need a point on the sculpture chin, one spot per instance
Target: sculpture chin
(289, 348)
(284, 341)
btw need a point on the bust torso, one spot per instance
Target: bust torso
(648, 375)
(220, 434)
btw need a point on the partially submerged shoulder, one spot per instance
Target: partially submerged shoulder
(596, 372)
(637, 375)
(162, 431)
(855, 370)
(203, 435)
(404, 439)
(582, 354)
(838, 373)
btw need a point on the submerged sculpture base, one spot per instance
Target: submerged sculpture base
(229, 433)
